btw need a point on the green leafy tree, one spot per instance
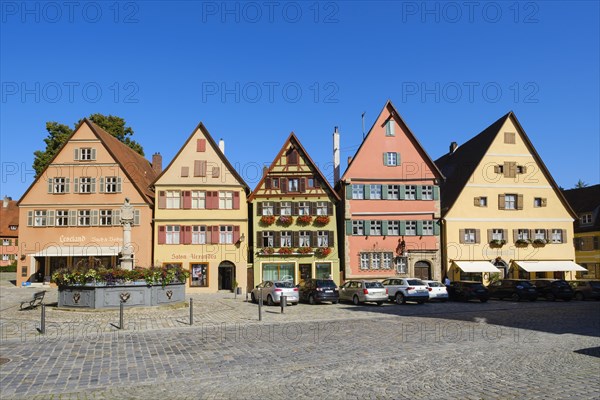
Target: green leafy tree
(580, 184)
(58, 134)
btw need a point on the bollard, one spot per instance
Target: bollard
(260, 302)
(191, 311)
(283, 302)
(43, 320)
(121, 324)
(246, 296)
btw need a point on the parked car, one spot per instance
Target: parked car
(437, 290)
(363, 291)
(402, 290)
(468, 290)
(271, 292)
(552, 289)
(317, 290)
(514, 289)
(586, 289)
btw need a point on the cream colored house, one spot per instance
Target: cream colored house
(502, 211)
(201, 216)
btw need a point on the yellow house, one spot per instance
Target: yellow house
(502, 212)
(201, 216)
(586, 203)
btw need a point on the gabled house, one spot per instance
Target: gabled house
(502, 210)
(9, 231)
(201, 216)
(71, 212)
(294, 221)
(391, 204)
(586, 204)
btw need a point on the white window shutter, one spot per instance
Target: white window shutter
(136, 217)
(29, 218)
(76, 154)
(94, 217)
(72, 217)
(119, 185)
(50, 219)
(94, 154)
(101, 189)
(67, 185)
(50, 182)
(117, 217)
(93, 186)
(76, 183)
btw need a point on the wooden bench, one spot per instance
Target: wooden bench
(37, 299)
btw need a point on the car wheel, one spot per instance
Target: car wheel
(400, 298)
(379, 303)
(270, 301)
(550, 297)
(335, 302)
(311, 300)
(355, 300)
(515, 297)
(421, 301)
(579, 296)
(252, 298)
(483, 300)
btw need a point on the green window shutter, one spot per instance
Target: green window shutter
(348, 227)
(349, 192)
(76, 185)
(384, 192)
(419, 228)
(367, 192)
(50, 218)
(398, 162)
(436, 227)
(419, 193)
(94, 217)
(385, 159)
(401, 192)
(136, 217)
(367, 227)
(384, 228)
(29, 218)
(402, 228)
(50, 185)
(436, 192)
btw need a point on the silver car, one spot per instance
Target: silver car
(361, 291)
(401, 290)
(271, 292)
(437, 290)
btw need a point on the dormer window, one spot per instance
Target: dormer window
(586, 219)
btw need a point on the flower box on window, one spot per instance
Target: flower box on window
(267, 250)
(285, 220)
(304, 220)
(267, 220)
(323, 251)
(322, 220)
(522, 242)
(540, 242)
(304, 250)
(285, 250)
(497, 243)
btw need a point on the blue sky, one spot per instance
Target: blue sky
(255, 71)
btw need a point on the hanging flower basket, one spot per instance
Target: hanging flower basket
(322, 220)
(304, 220)
(267, 250)
(285, 220)
(285, 250)
(323, 251)
(304, 250)
(267, 219)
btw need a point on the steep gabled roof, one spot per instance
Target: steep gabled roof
(292, 139)
(217, 150)
(392, 110)
(9, 216)
(585, 200)
(460, 165)
(137, 169)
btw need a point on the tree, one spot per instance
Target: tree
(59, 133)
(580, 184)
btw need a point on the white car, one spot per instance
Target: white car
(271, 291)
(402, 290)
(437, 290)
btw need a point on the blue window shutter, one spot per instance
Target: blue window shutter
(367, 227)
(436, 192)
(402, 192)
(402, 228)
(436, 227)
(419, 192)
(349, 192)
(419, 228)
(348, 227)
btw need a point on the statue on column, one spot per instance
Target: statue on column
(127, 215)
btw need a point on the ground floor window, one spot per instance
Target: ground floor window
(199, 275)
(323, 271)
(470, 276)
(57, 263)
(278, 272)
(376, 260)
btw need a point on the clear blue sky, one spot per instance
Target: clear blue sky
(254, 72)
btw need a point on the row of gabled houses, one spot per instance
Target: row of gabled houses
(487, 206)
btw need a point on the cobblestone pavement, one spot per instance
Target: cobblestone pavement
(496, 350)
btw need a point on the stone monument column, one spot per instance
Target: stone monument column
(127, 222)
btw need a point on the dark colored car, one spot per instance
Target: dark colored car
(513, 289)
(552, 289)
(317, 290)
(585, 290)
(468, 290)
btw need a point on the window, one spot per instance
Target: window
(292, 157)
(427, 228)
(173, 199)
(539, 234)
(286, 208)
(557, 236)
(199, 234)
(393, 228)
(85, 154)
(293, 185)
(267, 208)
(427, 192)
(12, 227)
(84, 217)
(469, 236)
(267, 239)
(304, 239)
(60, 185)
(387, 261)
(311, 182)
(198, 199)
(410, 192)
(357, 228)
(62, 218)
(375, 228)
(321, 208)
(483, 201)
(112, 185)
(275, 183)
(40, 218)
(523, 234)
(375, 192)
(390, 128)
(226, 234)
(225, 200)
(286, 239)
(85, 185)
(172, 236)
(5, 242)
(411, 228)
(322, 239)
(510, 202)
(106, 217)
(323, 270)
(391, 159)
(393, 192)
(498, 234)
(304, 208)
(509, 137)
(521, 169)
(537, 202)
(375, 260)
(586, 219)
(358, 192)
(4, 257)
(199, 275)
(364, 261)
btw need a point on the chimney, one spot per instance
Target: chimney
(157, 163)
(265, 170)
(222, 145)
(5, 201)
(336, 156)
(453, 147)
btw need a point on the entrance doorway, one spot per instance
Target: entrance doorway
(503, 267)
(226, 275)
(305, 272)
(423, 270)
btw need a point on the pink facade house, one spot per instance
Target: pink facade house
(390, 204)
